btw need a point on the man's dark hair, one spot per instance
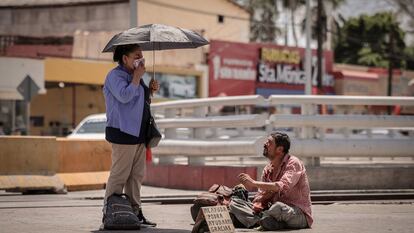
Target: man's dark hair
(282, 139)
(122, 50)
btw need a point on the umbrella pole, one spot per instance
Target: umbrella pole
(153, 63)
(153, 67)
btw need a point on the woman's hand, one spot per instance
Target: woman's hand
(138, 73)
(154, 86)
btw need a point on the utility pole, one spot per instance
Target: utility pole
(319, 27)
(390, 65)
(308, 53)
(286, 24)
(133, 12)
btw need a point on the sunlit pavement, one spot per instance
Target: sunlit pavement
(81, 212)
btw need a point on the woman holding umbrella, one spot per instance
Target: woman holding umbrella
(127, 100)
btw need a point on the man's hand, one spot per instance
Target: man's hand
(247, 181)
(138, 73)
(257, 207)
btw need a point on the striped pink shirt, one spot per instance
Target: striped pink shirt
(293, 183)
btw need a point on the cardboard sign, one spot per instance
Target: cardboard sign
(218, 219)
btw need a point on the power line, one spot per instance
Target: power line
(358, 40)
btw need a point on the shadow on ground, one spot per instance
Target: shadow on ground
(145, 230)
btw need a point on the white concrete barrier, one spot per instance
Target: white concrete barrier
(340, 100)
(213, 101)
(197, 146)
(340, 121)
(254, 120)
(207, 148)
(353, 147)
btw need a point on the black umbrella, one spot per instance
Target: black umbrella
(157, 37)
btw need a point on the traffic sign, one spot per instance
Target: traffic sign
(28, 88)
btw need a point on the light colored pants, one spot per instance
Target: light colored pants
(243, 211)
(278, 216)
(127, 172)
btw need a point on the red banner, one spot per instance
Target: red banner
(232, 68)
(245, 69)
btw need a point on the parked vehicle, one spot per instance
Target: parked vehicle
(91, 127)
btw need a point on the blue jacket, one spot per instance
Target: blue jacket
(124, 101)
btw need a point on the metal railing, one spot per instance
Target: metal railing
(206, 130)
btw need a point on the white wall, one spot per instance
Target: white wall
(14, 70)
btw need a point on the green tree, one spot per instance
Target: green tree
(366, 40)
(264, 14)
(319, 26)
(406, 8)
(409, 56)
(262, 20)
(293, 6)
(314, 18)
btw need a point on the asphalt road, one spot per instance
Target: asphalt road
(78, 212)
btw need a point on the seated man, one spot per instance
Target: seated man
(283, 199)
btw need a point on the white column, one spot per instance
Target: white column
(200, 134)
(169, 133)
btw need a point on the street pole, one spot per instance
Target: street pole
(73, 106)
(390, 66)
(307, 109)
(27, 103)
(308, 54)
(320, 44)
(133, 9)
(27, 117)
(286, 24)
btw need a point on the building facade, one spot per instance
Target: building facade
(66, 38)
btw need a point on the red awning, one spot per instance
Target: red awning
(353, 74)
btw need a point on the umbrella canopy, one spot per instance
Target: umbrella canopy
(157, 37)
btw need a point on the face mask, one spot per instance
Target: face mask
(137, 62)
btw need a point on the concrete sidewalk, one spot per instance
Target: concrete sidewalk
(81, 212)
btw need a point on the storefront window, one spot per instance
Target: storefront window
(174, 86)
(21, 118)
(13, 119)
(6, 113)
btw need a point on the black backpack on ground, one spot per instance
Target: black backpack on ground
(119, 214)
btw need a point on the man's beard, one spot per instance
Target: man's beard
(267, 154)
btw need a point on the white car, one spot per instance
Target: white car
(91, 127)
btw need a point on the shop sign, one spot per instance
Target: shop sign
(286, 67)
